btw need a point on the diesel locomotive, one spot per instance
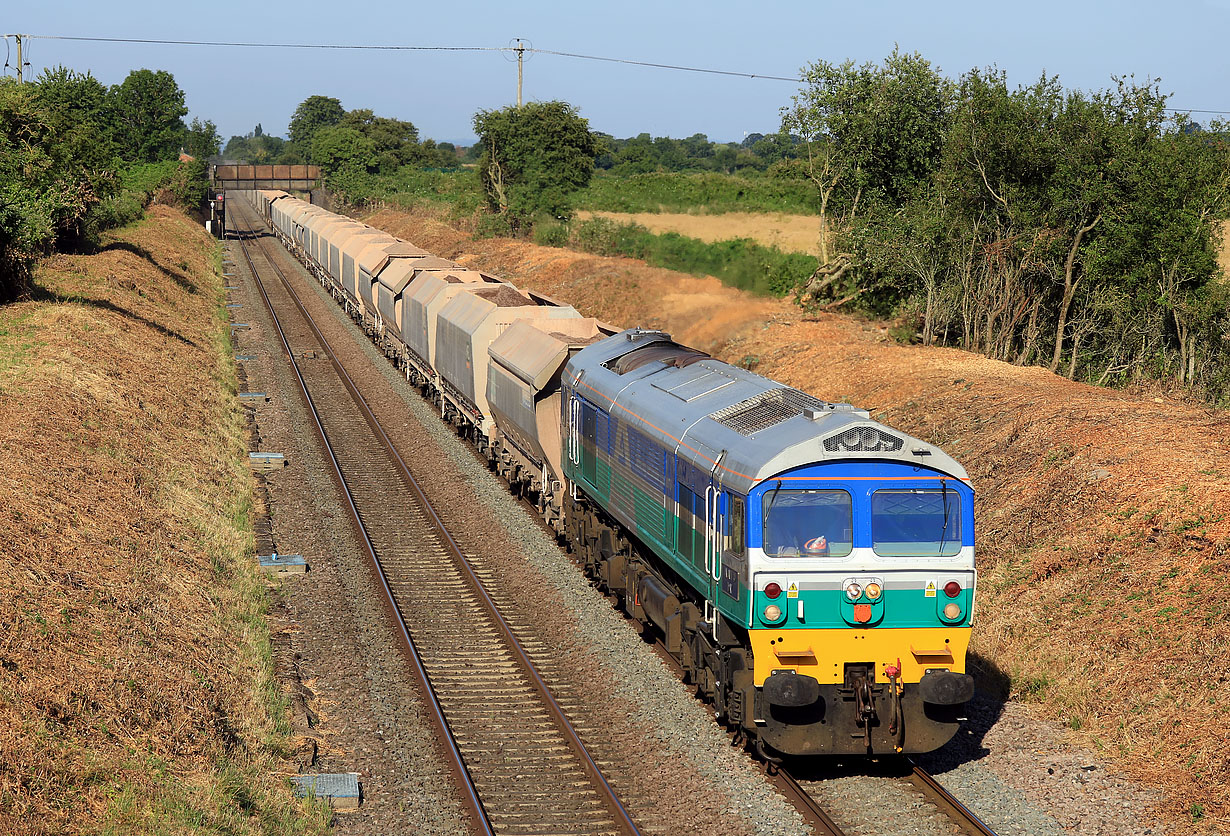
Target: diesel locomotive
(811, 569)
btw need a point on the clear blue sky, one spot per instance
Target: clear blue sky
(1182, 42)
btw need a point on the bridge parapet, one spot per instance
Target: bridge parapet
(286, 177)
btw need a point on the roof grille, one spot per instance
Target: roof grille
(862, 440)
(765, 410)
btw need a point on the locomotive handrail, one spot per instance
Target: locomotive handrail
(709, 530)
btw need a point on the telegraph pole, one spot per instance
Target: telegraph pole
(21, 61)
(520, 54)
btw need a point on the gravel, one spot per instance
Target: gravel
(1019, 774)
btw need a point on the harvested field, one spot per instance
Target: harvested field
(136, 689)
(1103, 516)
(789, 233)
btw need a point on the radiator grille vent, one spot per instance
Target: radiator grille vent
(862, 440)
(765, 410)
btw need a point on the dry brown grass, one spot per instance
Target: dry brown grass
(789, 233)
(1104, 600)
(132, 629)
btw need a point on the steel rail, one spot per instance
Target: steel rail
(622, 818)
(946, 801)
(456, 762)
(805, 804)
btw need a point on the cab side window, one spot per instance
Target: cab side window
(737, 537)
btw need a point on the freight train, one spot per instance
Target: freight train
(811, 569)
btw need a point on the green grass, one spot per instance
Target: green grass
(697, 192)
(740, 263)
(17, 340)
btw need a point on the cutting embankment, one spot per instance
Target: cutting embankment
(1103, 516)
(136, 686)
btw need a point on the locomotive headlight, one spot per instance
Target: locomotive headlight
(873, 591)
(952, 612)
(853, 591)
(772, 613)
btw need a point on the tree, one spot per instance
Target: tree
(43, 196)
(534, 157)
(339, 149)
(149, 110)
(869, 132)
(903, 252)
(312, 114)
(394, 141)
(259, 148)
(202, 140)
(78, 109)
(774, 147)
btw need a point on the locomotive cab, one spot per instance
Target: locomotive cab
(862, 580)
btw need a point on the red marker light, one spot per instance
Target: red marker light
(952, 589)
(772, 590)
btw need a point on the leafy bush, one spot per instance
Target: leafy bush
(147, 178)
(603, 236)
(551, 234)
(119, 210)
(180, 183)
(493, 226)
(740, 263)
(189, 184)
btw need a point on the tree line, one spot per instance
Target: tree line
(344, 143)
(77, 156)
(645, 154)
(1033, 224)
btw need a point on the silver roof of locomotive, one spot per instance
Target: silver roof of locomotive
(746, 426)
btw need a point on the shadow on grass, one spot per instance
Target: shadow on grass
(42, 294)
(181, 280)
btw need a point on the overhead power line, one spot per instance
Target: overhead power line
(505, 49)
(666, 66)
(264, 45)
(399, 47)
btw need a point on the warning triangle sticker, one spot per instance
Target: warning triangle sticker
(930, 593)
(792, 591)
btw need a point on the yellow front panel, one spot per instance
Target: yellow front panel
(823, 654)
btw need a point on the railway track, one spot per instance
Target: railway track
(953, 817)
(910, 801)
(519, 764)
